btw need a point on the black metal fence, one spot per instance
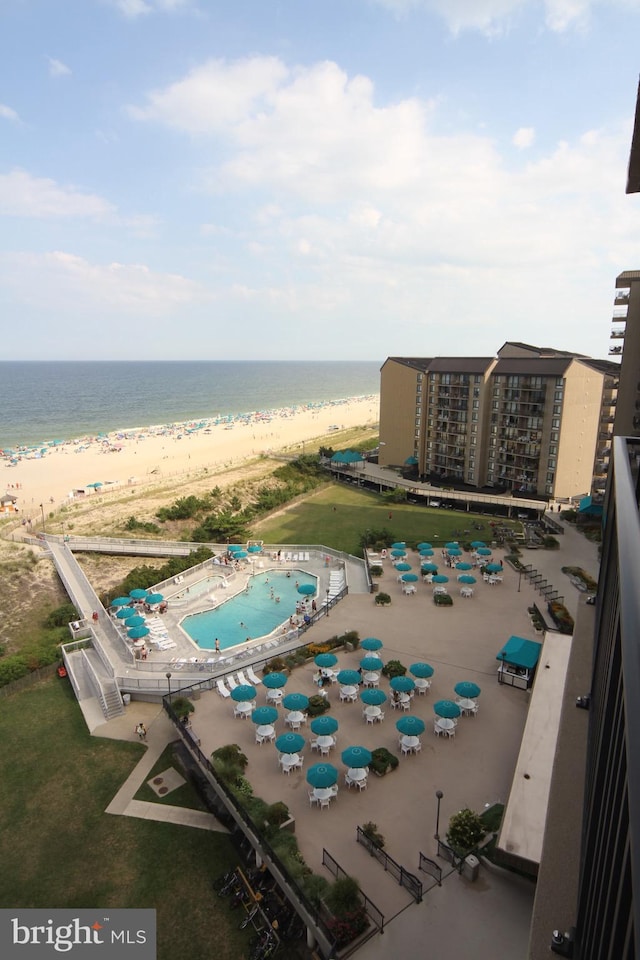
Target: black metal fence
(431, 867)
(403, 876)
(449, 854)
(372, 911)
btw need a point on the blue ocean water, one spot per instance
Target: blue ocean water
(43, 401)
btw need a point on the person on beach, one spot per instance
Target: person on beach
(141, 730)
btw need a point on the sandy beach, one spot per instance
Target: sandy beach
(140, 456)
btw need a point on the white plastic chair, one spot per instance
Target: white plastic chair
(222, 690)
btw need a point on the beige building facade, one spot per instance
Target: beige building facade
(529, 421)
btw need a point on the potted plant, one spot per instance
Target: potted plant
(382, 761)
(382, 599)
(393, 668)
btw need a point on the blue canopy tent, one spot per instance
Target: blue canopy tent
(518, 661)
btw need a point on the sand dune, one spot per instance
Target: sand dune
(150, 454)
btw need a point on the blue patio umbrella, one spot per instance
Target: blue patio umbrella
(467, 689)
(409, 577)
(121, 602)
(324, 726)
(240, 554)
(289, 743)
(138, 594)
(254, 548)
(349, 678)
(402, 567)
(371, 643)
(398, 553)
(155, 598)
(322, 775)
(134, 621)
(137, 633)
(264, 715)
(467, 578)
(371, 664)
(423, 545)
(124, 613)
(483, 552)
(426, 552)
(429, 567)
(295, 701)
(274, 680)
(422, 670)
(373, 697)
(410, 726)
(398, 545)
(441, 578)
(402, 684)
(463, 565)
(244, 691)
(307, 588)
(493, 568)
(447, 708)
(454, 552)
(233, 547)
(451, 545)
(325, 660)
(477, 543)
(356, 757)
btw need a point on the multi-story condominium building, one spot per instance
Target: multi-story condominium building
(530, 420)
(625, 343)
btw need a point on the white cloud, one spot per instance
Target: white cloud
(7, 113)
(57, 68)
(74, 283)
(131, 9)
(22, 195)
(524, 137)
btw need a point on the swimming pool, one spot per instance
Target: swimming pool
(198, 588)
(256, 612)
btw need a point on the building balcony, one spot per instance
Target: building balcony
(617, 334)
(615, 350)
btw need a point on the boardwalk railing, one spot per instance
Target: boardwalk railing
(403, 876)
(374, 914)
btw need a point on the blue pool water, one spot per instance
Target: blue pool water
(196, 589)
(253, 613)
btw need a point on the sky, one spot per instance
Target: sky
(313, 179)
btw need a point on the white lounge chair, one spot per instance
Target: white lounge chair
(242, 679)
(222, 690)
(231, 682)
(253, 678)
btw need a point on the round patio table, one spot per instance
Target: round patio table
(323, 793)
(275, 696)
(245, 708)
(371, 679)
(357, 773)
(372, 711)
(289, 760)
(422, 683)
(349, 691)
(466, 704)
(445, 723)
(266, 730)
(410, 743)
(296, 717)
(326, 743)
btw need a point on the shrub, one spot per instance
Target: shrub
(277, 665)
(383, 599)
(382, 761)
(316, 888)
(318, 705)
(393, 668)
(465, 831)
(182, 707)
(61, 616)
(352, 637)
(443, 600)
(277, 814)
(376, 571)
(370, 831)
(561, 616)
(550, 543)
(343, 896)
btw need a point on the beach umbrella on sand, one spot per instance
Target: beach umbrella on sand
(155, 598)
(325, 660)
(398, 545)
(426, 552)
(373, 697)
(274, 680)
(121, 602)
(410, 726)
(356, 757)
(493, 568)
(429, 567)
(134, 621)
(483, 552)
(477, 543)
(402, 684)
(398, 552)
(423, 670)
(124, 613)
(409, 577)
(324, 726)
(138, 594)
(447, 708)
(289, 743)
(349, 678)
(307, 589)
(423, 545)
(452, 545)
(402, 567)
(243, 692)
(467, 689)
(371, 664)
(264, 715)
(322, 775)
(441, 578)
(454, 552)
(137, 633)
(295, 701)
(371, 643)
(463, 565)
(467, 578)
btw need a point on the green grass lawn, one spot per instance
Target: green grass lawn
(339, 515)
(58, 848)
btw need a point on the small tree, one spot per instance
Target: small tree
(465, 831)
(393, 668)
(182, 707)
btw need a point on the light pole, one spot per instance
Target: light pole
(519, 579)
(168, 676)
(44, 529)
(439, 796)
(327, 602)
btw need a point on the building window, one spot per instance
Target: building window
(555, 423)
(554, 436)
(470, 475)
(549, 488)
(474, 415)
